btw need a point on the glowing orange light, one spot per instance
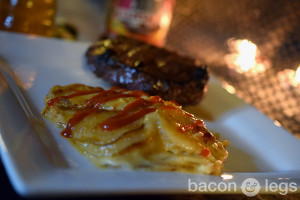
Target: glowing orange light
(165, 20)
(289, 77)
(297, 75)
(245, 57)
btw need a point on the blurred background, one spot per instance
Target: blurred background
(252, 46)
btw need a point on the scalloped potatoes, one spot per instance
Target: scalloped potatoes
(118, 128)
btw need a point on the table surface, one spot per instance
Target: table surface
(272, 26)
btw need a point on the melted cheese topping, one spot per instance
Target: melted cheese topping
(117, 128)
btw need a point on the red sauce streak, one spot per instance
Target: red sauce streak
(51, 102)
(77, 117)
(92, 101)
(112, 97)
(156, 99)
(132, 112)
(205, 152)
(195, 127)
(111, 124)
(189, 115)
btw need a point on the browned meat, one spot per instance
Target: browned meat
(135, 65)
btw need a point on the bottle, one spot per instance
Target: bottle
(147, 20)
(28, 16)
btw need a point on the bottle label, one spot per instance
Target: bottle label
(148, 20)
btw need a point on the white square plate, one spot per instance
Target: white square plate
(259, 149)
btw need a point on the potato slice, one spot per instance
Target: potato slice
(89, 129)
(194, 139)
(174, 141)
